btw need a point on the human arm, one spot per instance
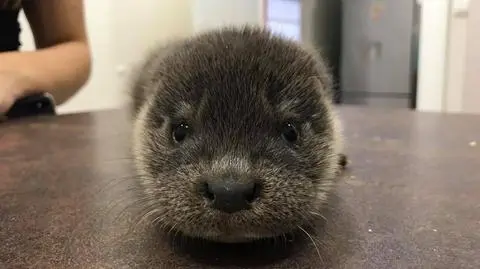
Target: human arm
(60, 65)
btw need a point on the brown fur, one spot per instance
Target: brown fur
(234, 86)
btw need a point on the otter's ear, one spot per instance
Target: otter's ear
(143, 77)
(138, 80)
(322, 69)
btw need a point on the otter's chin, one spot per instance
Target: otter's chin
(231, 238)
(233, 233)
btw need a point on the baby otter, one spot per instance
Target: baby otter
(235, 137)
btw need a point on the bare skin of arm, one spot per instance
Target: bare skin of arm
(60, 65)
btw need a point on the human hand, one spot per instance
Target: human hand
(13, 86)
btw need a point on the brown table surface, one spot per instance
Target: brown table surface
(411, 199)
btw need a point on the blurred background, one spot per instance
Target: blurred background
(410, 54)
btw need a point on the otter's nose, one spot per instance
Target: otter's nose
(230, 196)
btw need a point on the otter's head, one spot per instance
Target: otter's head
(235, 138)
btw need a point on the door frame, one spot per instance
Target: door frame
(433, 55)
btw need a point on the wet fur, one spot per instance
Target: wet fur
(235, 87)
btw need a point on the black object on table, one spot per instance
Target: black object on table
(33, 105)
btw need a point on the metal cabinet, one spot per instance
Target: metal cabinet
(379, 52)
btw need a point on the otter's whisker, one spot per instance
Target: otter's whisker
(283, 236)
(318, 215)
(313, 242)
(187, 221)
(128, 206)
(146, 213)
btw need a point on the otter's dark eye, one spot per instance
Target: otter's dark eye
(289, 133)
(180, 132)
